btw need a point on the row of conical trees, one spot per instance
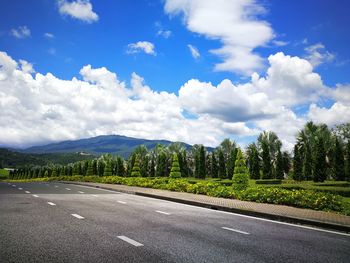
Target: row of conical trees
(319, 154)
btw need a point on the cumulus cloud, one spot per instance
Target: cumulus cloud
(80, 9)
(141, 46)
(234, 23)
(194, 51)
(41, 108)
(21, 32)
(317, 54)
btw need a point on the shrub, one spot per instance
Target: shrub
(269, 181)
(175, 168)
(240, 179)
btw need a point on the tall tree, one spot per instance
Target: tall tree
(297, 164)
(320, 164)
(90, 170)
(108, 169)
(253, 161)
(307, 163)
(339, 165)
(144, 166)
(347, 167)
(214, 166)
(286, 162)
(202, 163)
(266, 161)
(231, 162)
(161, 165)
(279, 166)
(152, 169)
(222, 168)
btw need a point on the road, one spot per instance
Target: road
(56, 222)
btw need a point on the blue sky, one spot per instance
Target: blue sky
(59, 38)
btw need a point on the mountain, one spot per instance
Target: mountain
(114, 144)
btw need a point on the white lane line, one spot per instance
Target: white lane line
(161, 212)
(56, 186)
(68, 189)
(50, 203)
(14, 185)
(130, 241)
(78, 216)
(35, 196)
(80, 192)
(27, 192)
(235, 230)
(20, 188)
(122, 202)
(95, 195)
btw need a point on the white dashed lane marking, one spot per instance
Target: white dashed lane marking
(35, 196)
(161, 212)
(27, 192)
(68, 189)
(130, 241)
(20, 188)
(78, 216)
(80, 192)
(235, 230)
(122, 202)
(50, 203)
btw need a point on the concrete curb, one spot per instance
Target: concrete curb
(281, 218)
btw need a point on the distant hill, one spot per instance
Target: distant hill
(114, 144)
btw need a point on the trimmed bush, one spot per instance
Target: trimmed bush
(175, 171)
(240, 179)
(269, 181)
(135, 172)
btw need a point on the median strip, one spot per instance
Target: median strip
(50, 203)
(78, 216)
(235, 230)
(130, 241)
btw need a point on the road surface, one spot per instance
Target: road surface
(56, 222)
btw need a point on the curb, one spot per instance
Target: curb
(281, 218)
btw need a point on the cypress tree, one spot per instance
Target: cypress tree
(286, 163)
(214, 166)
(90, 170)
(279, 166)
(347, 166)
(54, 172)
(231, 162)
(135, 172)
(108, 169)
(144, 166)
(202, 167)
(131, 163)
(320, 164)
(266, 159)
(175, 171)
(222, 168)
(75, 171)
(121, 168)
(101, 167)
(185, 171)
(240, 178)
(307, 167)
(196, 165)
(152, 169)
(297, 164)
(339, 169)
(161, 165)
(255, 165)
(94, 167)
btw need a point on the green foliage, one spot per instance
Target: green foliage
(90, 170)
(214, 167)
(347, 166)
(266, 162)
(297, 164)
(222, 169)
(253, 161)
(339, 165)
(320, 164)
(202, 166)
(108, 169)
(135, 172)
(175, 168)
(269, 181)
(279, 166)
(240, 179)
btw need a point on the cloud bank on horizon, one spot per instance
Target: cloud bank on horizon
(37, 107)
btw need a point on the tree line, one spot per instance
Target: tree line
(319, 154)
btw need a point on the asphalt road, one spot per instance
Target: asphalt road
(55, 222)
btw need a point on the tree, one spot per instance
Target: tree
(185, 170)
(231, 162)
(307, 164)
(297, 164)
(222, 168)
(339, 165)
(320, 164)
(214, 166)
(90, 170)
(152, 169)
(202, 167)
(161, 165)
(240, 179)
(144, 166)
(279, 166)
(108, 169)
(175, 171)
(347, 167)
(266, 161)
(253, 161)
(75, 171)
(135, 172)
(286, 162)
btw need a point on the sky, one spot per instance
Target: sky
(182, 70)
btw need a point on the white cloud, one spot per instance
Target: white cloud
(164, 33)
(43, 108)
(49, 35)
(280, 43)
(317, 54)
(141, 46)
(21, 32)
(80, 9)
(234, 23)
(194, 51)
